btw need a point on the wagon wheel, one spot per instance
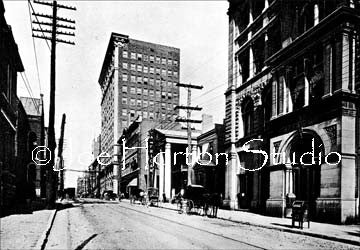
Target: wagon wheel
(180, 207)
(190, 205)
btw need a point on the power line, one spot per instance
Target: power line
(29, 91)
(33, 39)
(39, 24)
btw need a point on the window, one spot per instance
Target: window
(158, 60)
(124, 89)
(138, 91)
(124, 100)
(151, 59)
(175, 73)
(146, 58)
(124, 77)
(175, 62)
(139, 68)
(132, 67)
(139, 56)
(139, 79)
(152, 70)
(132, 90)
(169, 84)
(151, 115)
(146, 69)
(145, 80)
(152, 81)
(163, 61)
(151, 104)
(248, 116)
(169, 62)
(145, 92)
(169, 73)
(163, 83)
(133, 55)
(145, 114)
(158, 82)
(145, 103)
(157, 71)
(138, 103)
(125, 54)
(133, 79)
(163, 72)
(132, 102)
(132, 113)
(169, 96)
(157, 94)
(124, 123)
(151, 92)
(124, 112)
(163, 95)
(124, 65)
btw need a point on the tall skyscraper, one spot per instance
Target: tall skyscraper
(137, 79)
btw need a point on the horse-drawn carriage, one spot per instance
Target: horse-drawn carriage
(153, 195)
(197, 200)
(137, 194)
(149, 197)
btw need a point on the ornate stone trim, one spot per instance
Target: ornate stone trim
(331, 131)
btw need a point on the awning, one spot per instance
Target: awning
(133, 183)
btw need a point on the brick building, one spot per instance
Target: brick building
(294, 79)
(137, 79)
(35, 114)
(10, 64)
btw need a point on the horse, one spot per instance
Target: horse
(212, 202)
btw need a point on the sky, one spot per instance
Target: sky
(198, 28)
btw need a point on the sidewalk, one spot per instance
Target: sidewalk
(25, 231)
(343, 233)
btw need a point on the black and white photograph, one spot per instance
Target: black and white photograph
(214, 124)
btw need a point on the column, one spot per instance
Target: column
(251, 62)
(353, 65)
(345, 62)
(316, 14)
(116, 121)
(167, 170)
(161, 175)
(306, 91)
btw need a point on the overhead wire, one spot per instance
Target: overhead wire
(42, 31)
(34, 47)
(28, 87)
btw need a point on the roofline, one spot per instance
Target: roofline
(113, 37)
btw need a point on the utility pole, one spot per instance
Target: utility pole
(60, 156)
(50, 174)
(188, 120)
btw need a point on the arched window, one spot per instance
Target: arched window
(248, 116)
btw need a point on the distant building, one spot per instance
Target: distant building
(209, 168)
(35, 114)
(136, 172)
(137, 79)
(294, 80)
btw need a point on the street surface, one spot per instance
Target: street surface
(111, 225)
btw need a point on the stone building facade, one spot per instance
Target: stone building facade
(293, 93)
(137, 79)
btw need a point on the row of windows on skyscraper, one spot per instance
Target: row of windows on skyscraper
(151, 58)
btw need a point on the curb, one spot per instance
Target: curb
(312, 234)
(41, 243)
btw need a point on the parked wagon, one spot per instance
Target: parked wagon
(193, 200)
(153, 195)
(137, 194)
